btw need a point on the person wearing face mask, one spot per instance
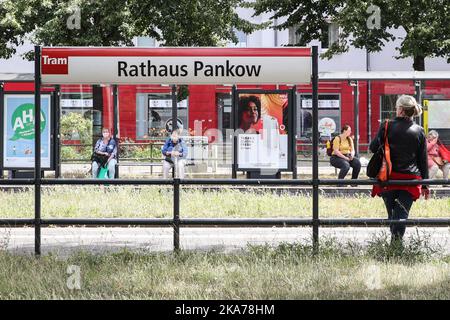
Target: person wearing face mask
(105, 154)
(175, 152)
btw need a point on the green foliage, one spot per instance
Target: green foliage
(11, 31)
(139, 152)
(75, 153)
(117, 22)
(424, 21)
(75, 127)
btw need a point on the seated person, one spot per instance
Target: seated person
(105, 155)
(343, 156)
(175, 152)
(438, 156)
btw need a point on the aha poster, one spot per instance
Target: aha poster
(18, 126)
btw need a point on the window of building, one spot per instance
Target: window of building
(145, 42)
(224, 108)
(242, 40)
(387, 106)
(439, 119)
(330, 35)
(329, 115)
(294, 37)
(78, 102)
(154, 115)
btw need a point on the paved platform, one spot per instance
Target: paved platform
(64, 241)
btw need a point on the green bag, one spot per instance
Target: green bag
(103, 173)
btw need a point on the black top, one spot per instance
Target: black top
(408, 146)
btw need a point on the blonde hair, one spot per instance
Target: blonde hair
(433, 133)
(409, 105)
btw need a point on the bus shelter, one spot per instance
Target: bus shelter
(56, 66)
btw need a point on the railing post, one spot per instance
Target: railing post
(315, 97)
(2, 108)
(37, 150)
(234, 121)
(176, 214)
(174, 108)
(57, 138)
(115, 94)
(355, 85)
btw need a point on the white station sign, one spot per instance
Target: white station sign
(176, 65)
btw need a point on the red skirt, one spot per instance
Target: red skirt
(415, 191)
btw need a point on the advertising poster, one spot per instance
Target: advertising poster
(262, 142)
(18, 135)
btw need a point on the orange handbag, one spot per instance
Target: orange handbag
(386, 166)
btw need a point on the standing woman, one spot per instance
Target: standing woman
(408, 146)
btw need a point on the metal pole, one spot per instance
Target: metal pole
(369, 111)
(37, 150)
(2, 109)
(418, 93)
(116, 124)
(293, 122)
(356, 116)
(315, 111)
(57, 131)
(176, 214)
(234, 126)
(174, 108)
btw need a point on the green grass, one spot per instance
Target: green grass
(289, 271)
(99, 202)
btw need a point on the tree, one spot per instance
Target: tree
(117, 22)
(425, 22)
(11, 32)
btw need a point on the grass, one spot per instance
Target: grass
(109, 202)
(288, 271)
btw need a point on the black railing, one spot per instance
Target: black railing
(177, 221)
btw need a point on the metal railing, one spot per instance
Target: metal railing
(304, 154)
(176, 222)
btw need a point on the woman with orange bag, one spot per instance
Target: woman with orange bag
(408, 158)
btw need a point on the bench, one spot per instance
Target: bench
(146, 164)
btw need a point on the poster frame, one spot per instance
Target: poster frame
(52, 123)
(291, 157)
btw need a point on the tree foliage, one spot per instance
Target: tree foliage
(425, 22)
(118, 22)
